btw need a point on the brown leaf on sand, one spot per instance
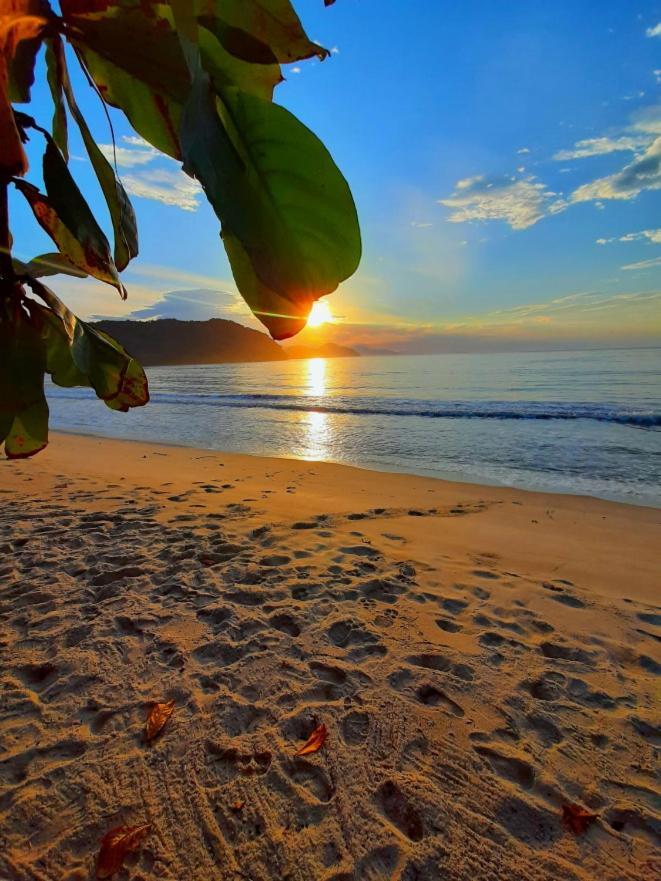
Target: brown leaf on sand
(116, 845)
(576, 818)
(314, 742)
(158, 716)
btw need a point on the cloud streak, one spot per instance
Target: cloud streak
(520, 202)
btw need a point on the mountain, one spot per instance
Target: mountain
(325, 350)
(170, 341)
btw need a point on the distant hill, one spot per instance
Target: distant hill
(327, 350)
(170, 341)
(375, 350)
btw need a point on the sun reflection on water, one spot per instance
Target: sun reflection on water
(316, 425)
(315, 381)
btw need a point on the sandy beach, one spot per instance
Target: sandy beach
(480, 657)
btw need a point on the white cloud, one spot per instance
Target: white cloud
(524, 150)
(125, 157)
(602, 146)
(654, 31)
(520, 202)
(644, 264)
(648, 120)
(169, 187)
(653, 236)
(644, 173)
(657, 76)
(136, 152)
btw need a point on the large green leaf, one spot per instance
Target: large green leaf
(276, 189)
(281, 316)
(66, 217)
(120, 209)
(78, 354)
(23, 408)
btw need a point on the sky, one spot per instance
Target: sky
(505, 159)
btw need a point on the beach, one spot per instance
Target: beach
(480, 657)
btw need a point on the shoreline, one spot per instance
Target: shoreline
(480, 656)
(450, 479)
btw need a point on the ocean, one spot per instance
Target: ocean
(572, 422)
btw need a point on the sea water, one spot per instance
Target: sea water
(574, 422)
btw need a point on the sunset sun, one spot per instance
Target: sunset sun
(319, 314)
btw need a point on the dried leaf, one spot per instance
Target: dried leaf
(158, 716)
(116, 845)
(238, 806)
(314, 742)
(576, 818)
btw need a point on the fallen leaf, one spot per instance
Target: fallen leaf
(576, 818)
(158, 716)
(314, 742)
(238, 806)
(116, 845)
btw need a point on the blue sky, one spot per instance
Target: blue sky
(503, 160)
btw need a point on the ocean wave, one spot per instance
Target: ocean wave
(496, 410)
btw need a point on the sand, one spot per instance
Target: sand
(480, 656)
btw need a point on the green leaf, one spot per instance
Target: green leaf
(78, 354)
(55, 72)
(66, 217)
(23, 408)
(276, 189)
(281, 316)
(133, 53)
(59, 360)
(245, 28)
(228, 70)
(48, 264)
(120, 209)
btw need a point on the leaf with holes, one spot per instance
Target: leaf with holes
(116, 845)
(314, 742)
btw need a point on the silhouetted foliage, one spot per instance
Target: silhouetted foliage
(195, 78)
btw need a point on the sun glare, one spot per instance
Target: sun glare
(319, 314)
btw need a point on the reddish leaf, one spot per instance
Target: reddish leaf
(158, 716)
(238, 806)
(116, 845)
(576, 818)
(314, 742)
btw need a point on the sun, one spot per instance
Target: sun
(319, 314)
